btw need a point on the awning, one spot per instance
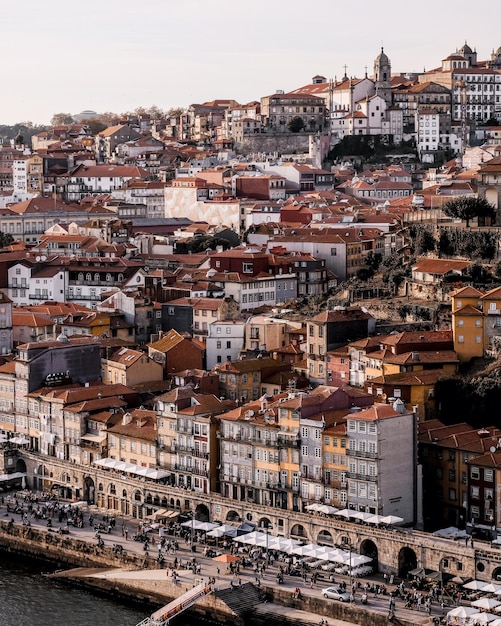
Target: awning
(163, 514)
(21, 441)
(93, 438)
(15, 475)
(130, 468)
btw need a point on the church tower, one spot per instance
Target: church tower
(382, 77)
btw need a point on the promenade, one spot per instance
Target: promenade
(121, 536)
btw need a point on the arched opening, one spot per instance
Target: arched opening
(324, 538)
(21, 466)
(407, 561)
(496, 574)
(202, 513)
(89, 490)
(298, 532)
(369, 548)
(232, 516)
(264, 523)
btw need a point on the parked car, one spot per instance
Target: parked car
(336, 594)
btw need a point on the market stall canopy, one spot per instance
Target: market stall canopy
(226, 558)
(450, 531)
(197, 525)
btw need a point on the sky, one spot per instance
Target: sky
(116, 55)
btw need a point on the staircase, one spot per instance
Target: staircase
(241, 600)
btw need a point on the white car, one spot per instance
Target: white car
(336, 594)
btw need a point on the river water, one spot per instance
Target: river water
(28, 598)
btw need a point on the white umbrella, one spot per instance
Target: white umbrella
(486, 603)
(362, 515)
(198, 525)
(392, 519)
(304, 550)
(313, 507)
(475, 585)
(496, 622)
(224, 529)
(462, 612)
(374, 519)
(482, 618)
(344, 513)
(353, 560)
(491, 588)
(327, 509)
(287, 545)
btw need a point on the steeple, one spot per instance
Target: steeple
(382, 76)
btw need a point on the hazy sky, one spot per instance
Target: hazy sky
(115, 55)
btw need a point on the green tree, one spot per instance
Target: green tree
(467, 207)
(175, 112)
(61, 119)
(5, 239)
(296, 124)
(96, 125)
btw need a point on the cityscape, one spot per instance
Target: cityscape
(244, 312)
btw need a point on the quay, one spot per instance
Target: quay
(236, 600)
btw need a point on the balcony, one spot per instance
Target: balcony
(361, 454)
(178, 467)
(365, 477)
(186, 429)
(288, 442)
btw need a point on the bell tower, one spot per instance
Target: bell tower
(382, 76)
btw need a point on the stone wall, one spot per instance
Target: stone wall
(281, 143)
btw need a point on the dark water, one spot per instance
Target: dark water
(27, 598)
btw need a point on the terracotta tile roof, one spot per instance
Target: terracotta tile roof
(423, 377)
(440, 266)
(142, 426)
(376, 413)
(468, 310)
(467, 292)
(126, 356)
(493, 294)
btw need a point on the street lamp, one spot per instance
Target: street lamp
(348, 545)
(267, 527)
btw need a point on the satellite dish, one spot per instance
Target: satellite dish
(493, 448)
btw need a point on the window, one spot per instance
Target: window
(489, 475)
(475, 473)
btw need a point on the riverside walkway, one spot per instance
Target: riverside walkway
(207, 569)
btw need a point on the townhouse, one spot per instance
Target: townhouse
(186, 432)
(458, 490)
(382, 463)
(333, 329)
(87, 180)
(130, 367)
